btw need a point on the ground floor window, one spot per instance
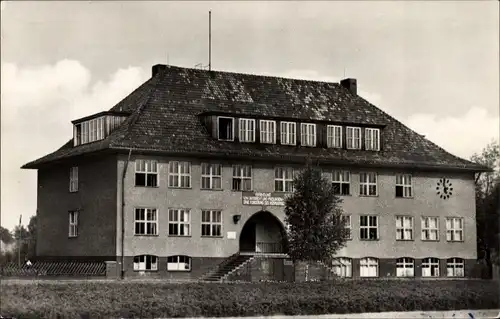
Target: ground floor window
(405, 267)
(179, 263)
(455, 267)
(430, 267)
(368, 267)
(342, 267)
(145, 262)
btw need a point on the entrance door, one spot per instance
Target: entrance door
(248, 238)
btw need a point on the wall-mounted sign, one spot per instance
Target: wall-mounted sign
(231, 235)
(288, 262)
(263, 199)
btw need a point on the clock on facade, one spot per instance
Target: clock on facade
(444, 188)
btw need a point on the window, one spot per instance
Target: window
(288, 134)
(247, 130)
(211, 176)
(307, 134)
(353, 137)
(146, 221)
(430, 228)
(225, 128)
(348, 225)
(368, 267)
(145, 262)
(179, 174)
(146, 173)
(430, 267)
(283, 179)
(242, 178)
(267, 132)
(368, 184)
(368, 227)
(405, 267)
(73, 179)
(73, 224)
(454, 229)
(211, 223)
(403, 186)
(334, 136)
(342, 267)
(179, 263)
(89, 131)
(455, 267)
(179, 222)
(341, 182)
(372, 139)
(404, 228)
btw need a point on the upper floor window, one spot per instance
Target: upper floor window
(283, 179)
(308, 134)
(247, 130)
(73, 224)
(146, 173)
(242, 178)
(145, 262)
(368, 184)
(334, 136)
(455, 267)
(403, 186)
(454, 229)
(405, 267)
(179, 222)
(179, 263)
(368, 267)
(179, 174)
(342, 267)
(211, 223)
(404, 228)
(341, 182)
(73, 179)
(368, 227)
(146, 221)
(211, 176)
(353, 137)
(288, 133)
(267, 132)
(430, 228)
(89, 131)
(372, 139)
(225, 128)
(430, 267)
(348, 225)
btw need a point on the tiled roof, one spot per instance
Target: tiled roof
(165, 118)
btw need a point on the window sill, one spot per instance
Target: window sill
(405, 239)
(455, 241)
(179, 270)
(144, 186)
(212, 236)
(225, 140)
(145, 270)
(431, 240)
(146, 235)
(288, 144)
(176, 187)
(343, 195)
(368, 195)
(212, 189)
(402, 197)
(73, 192)
(72, 237)
(361, 239)
(185, 236)
(235, 190)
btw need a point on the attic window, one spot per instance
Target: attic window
(95, 129)
(225, 128)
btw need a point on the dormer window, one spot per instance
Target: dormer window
(334, 136)
(225, 128)
(354, 138)
(288, 134)
(267, 132)
(96, 127)
(372, 139)
(247, 130)
(308, 134)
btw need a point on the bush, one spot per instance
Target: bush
(156, 299)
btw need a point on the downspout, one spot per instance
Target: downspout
(122, 273)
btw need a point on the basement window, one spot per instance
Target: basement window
(225, 128)
(179, 263)
(145, 262)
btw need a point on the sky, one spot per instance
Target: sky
(432, 65)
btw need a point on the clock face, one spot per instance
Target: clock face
(444, 188)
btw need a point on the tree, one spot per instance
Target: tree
(316, 225)
(26, 240)
(5, 235)
(487, 205)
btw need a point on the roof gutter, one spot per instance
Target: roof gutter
(122, 238)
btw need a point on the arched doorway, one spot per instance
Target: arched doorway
(263, 233)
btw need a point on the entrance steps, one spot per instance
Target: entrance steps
(227, 267)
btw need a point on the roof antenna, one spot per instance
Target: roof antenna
(344, 72)
(210, 40)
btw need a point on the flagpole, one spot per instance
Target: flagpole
(19, 242)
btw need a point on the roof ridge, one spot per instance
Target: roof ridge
(170, 66)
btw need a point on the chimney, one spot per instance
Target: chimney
(351, 85)
(158, 68)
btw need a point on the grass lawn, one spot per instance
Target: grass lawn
(157, 299)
